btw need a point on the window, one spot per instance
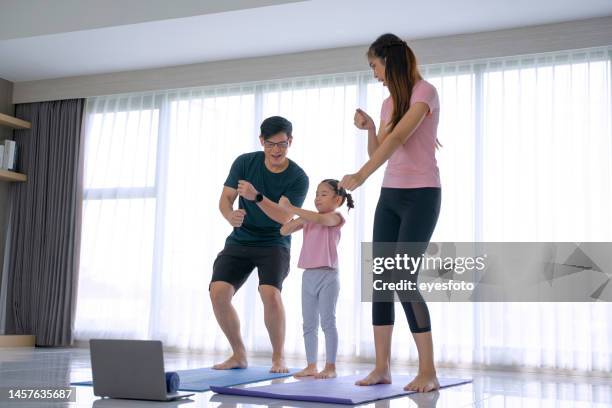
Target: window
(527, 156)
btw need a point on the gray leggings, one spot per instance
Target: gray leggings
(320, 288)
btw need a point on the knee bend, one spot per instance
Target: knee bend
(328, 324)
(220, 297)
(309, 328)
(271, 299)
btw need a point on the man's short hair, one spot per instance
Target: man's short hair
(274, 125)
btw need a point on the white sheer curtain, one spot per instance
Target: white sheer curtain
(527, 156)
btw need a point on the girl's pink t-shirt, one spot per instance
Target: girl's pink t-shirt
(413, 165)
(320, 245)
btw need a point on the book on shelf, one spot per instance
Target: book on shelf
(1, 156)
(9, 161)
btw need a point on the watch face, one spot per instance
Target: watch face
(259, 197)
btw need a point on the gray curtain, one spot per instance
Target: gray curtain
(45, 223)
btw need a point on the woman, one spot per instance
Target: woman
(409, 202)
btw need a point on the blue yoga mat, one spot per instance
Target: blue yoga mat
(201, 379)
(341, 390)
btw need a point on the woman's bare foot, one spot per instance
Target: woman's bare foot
(328, 372)
(423, 382)
(309, 371)
(278, 366)
(377, 376)
(233, 362)
(425, 399)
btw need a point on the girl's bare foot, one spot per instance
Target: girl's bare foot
(377, 376)
(328, 372)
(309, 371)
(423, 382)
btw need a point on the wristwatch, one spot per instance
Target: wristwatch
(258, 198)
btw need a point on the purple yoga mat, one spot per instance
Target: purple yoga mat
(341, 390)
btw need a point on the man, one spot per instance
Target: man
(260, 179)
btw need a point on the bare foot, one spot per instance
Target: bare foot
(233, 362)
(423, 382)
(425, 399)
(376, 377)
(310, 370)
(278, 366)
(328, 372)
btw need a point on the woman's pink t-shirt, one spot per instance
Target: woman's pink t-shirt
(413, 165)
(320, 245)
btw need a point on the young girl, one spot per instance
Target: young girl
(320, 283)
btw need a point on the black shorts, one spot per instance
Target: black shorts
(236, 262)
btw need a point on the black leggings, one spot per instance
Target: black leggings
(406, 215)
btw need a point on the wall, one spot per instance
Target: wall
(543, 38)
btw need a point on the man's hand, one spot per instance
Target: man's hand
(285, 203)
(246, 190)
(236, 217)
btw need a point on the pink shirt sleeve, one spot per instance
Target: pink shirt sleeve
(342, 220)
(386, 109)
(422, 92)
(426, 93)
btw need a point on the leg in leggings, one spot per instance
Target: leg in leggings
(419, 218)
(386, 229)
(417, 210)
(310, 314)
(328, 298)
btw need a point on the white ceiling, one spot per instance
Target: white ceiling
(41, 39)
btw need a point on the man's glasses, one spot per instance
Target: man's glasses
(280, 145)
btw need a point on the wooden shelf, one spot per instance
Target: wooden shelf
(10, 121)
(7, 175)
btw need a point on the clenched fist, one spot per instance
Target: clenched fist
(363, 121)
(236, 217)
(246, 190)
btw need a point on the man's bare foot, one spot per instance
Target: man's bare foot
(328, 372)
(233, 362)
(376, 377)
(278, 366)
(309, 371)
(423, 382)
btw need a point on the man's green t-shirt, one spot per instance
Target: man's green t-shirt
(258, 229)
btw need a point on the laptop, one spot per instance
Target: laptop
(131, 369)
